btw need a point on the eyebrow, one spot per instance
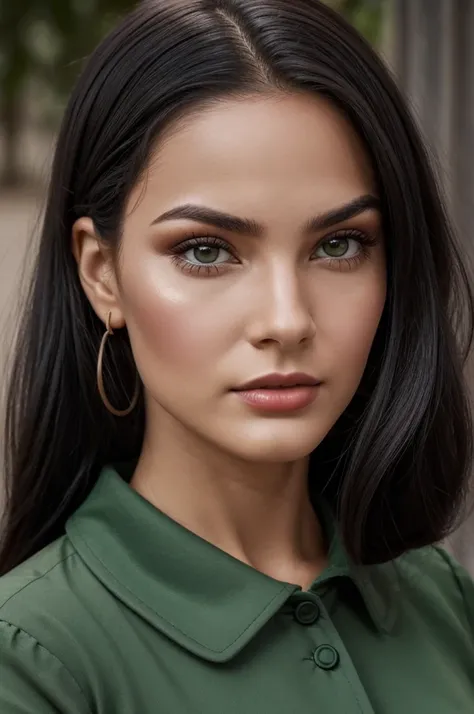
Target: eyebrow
(250, 227)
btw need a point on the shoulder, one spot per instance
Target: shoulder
(431, 578)
(38, 610)
(54, 598)
(44, 583)
(35, 575)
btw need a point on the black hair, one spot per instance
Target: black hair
(396, 464)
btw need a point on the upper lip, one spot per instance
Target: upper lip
(295, 379)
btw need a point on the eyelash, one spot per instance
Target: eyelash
(365, 241)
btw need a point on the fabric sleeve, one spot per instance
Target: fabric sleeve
(33, 680)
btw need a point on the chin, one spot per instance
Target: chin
(277, 445)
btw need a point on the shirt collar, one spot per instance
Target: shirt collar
(196, 594)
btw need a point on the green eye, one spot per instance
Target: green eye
(336, 247)
(206, 255)
(340, 247)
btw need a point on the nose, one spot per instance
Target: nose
(281, 310)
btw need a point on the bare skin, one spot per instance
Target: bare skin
(285, 301)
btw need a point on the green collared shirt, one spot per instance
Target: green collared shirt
(130, 613)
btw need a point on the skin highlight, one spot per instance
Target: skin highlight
(285, 301)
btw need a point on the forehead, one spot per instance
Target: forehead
(293, 151)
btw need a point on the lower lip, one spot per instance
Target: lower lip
(279, 400)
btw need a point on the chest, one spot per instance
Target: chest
(311, 662)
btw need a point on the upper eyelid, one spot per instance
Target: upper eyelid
(202, 238)
(193, 239)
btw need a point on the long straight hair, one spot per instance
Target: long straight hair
(396, 464)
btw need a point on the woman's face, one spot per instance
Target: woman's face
(295, 282)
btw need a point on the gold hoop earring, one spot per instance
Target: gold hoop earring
(100, 378)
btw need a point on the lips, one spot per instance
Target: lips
(280, 381)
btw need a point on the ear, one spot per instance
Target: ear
(97, 272)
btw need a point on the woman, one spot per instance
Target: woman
(237, 422)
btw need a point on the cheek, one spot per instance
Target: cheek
(174, 327)
(351, 323)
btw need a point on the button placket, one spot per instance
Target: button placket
(332, 660)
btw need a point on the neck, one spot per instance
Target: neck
(259, 513)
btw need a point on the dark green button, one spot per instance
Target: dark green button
(306, 613)
(326, 657)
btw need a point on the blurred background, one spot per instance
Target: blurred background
(427, 44)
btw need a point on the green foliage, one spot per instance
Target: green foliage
(365, 15)
(50, 38)
(45, 41)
